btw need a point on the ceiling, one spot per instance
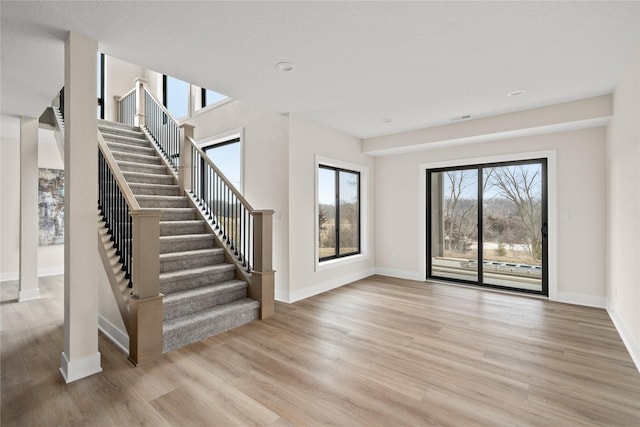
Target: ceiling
(415, 64)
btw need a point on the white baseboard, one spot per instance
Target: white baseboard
(5, 277)
(28, 294)
(582, 299)
(632, 346)
(73, 370)
(398, 274)
(327, 286)
(115, 334)
(51, 271)
(282, 295)
(42, 272)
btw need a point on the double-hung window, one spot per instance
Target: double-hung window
(339, 221)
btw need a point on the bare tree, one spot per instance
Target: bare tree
(522, 186)
(459, 220)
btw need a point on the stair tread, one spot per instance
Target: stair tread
(195, 271)
(155, 197)
(196, 252)
(135, 155)
(152, 166)
(119, 146)
(146, 175)
(183, 222)
(103, 122)
(209, 314)
(152, 185)
(178, 296)
(136, 139)
(200, 236)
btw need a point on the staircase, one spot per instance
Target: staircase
(203, 293)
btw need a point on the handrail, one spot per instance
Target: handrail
(219, 172)
(125, 95)
(164, 129)
(127, 106)
(162, 107)
(222, 204)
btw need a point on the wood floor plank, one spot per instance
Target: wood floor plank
(377, 352)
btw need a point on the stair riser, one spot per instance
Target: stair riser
(154, 191)
(176, 229)
(128, 157)
(191, 262)
(104, 124)
(149, 179)
(208, 279)
(140, 142)
(133, 149)
(143, 168)
(181, 308)
(181, 215)
(177, 203)
(199, 331)
(186, 245)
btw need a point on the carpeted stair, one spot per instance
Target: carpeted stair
(202, 296)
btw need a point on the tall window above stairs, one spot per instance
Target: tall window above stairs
(226, 154)
(101, 66)
(176, 96)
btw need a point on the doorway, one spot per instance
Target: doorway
(487, 225)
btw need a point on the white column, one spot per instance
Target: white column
(80, 357)
(28, 209)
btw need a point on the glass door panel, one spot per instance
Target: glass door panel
(512, 226)
(453, 222)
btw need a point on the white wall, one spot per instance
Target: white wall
(308, 140)
(119, 80)
(50, 258)
(9, 198)
(581, 178)
(623, 201)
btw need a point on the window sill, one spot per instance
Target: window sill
(208, 108)
(338, 262)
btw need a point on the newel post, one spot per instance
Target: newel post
(261, 287)
(145, 304)
(186, 155)
(117, 111)
(138, 119)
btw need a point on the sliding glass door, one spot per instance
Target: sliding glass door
(487, 225)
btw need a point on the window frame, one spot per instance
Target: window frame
(481, 280)
(363, 172)
(203, 100)
(165, 99)
(101, 82)
(231, 137)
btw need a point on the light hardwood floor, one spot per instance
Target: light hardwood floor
(378, 352)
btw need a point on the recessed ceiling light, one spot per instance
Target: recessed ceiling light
(385, 120)
(284, 66)
(516, 92)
